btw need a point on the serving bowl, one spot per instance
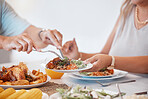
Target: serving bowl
(53, 74)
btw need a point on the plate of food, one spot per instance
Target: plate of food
(79, 92)
(19, 76)
(33, 93)
(103, 73)
(119, 74)
(67, 65)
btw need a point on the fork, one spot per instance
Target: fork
(120, 94)
(61, 53)
(108, 84)
(61, 57)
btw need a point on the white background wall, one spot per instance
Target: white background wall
(89, 21)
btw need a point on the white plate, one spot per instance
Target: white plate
(71, 71)
(58, 96)
(119, 74)
(116, 72)
(25, 86)
(44, 96)
(21, 86)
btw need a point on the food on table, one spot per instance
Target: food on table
(65, 64)
(16, 94)
(79, 92)
(34, 93)
(4, 94)
(53, 74)
(136, 97)
(103, 72)
(11, 93)
(1, 89)
(20, 75)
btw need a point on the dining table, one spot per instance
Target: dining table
(140, 85)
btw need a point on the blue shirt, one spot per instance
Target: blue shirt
(10, 23)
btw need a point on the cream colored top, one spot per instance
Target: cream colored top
(131, 42)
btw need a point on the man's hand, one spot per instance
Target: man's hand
(70, 50)
(20, 43)
(52, 37)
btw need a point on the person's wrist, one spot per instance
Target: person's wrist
(79, 56)
(76, 56)
(112, 63)
(39, 34)
(3, 41)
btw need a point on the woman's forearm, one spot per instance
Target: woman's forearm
(138, 64)
(85, 56)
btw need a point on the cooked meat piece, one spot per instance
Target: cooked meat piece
(56, 61)
(12, 77)
(29, 78)
(20, 82)
(8, 69)
(5, 76)
(4, 69)
(50, 65)
(18, 73)
(23, 67)
(1, 81)
(1, 75)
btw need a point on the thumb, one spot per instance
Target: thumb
(74, 43)
(93, 69)
(91, 60)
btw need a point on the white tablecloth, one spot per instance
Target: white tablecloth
(140, 85)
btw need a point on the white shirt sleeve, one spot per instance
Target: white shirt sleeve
(11, 23)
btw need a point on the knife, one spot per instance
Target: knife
(141, 93)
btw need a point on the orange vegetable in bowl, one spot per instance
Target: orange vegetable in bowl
(53, 74)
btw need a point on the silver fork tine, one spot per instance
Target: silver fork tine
(100, 83)
(61, 53)
(51, 52)
(107, 84)
(119, 90)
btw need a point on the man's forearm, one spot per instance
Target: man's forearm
(1, 41)
(132, 64)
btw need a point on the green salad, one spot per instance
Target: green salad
(78, 63)
(65, 64)
(79, 92)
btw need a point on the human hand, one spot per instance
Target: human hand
(70, 49)
(99, 61)
(21, 42)
(52, 37)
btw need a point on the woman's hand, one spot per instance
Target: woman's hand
(99, 61)
(70, 50)
(20, 43)
(52, 37)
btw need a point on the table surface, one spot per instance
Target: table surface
(140, 85)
